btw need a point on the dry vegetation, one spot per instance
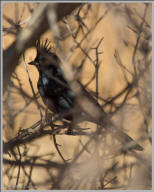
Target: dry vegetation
(105, 49)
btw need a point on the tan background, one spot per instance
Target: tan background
(114, 29)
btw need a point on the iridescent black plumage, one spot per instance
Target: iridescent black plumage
(52, 85)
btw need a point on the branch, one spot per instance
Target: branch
(36, 26)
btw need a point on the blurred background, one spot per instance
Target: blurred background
(108, 47)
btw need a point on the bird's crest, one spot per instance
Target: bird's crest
(44, 46)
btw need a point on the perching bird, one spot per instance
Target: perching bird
(56, 92)
(53, 88)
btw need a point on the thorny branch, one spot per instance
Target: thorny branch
(93, 142)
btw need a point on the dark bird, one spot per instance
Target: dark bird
(56, 92)
(53, 88)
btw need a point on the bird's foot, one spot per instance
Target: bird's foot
(46, 119)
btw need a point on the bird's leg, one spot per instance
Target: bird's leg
(47, 118)
(48, 115)
(70, 129)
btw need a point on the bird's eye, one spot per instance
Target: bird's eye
(42, 59)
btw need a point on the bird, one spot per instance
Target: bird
(56, 92)
(52, 86)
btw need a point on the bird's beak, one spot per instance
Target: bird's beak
(33, 63)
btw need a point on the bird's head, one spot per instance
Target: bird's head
(45, 58)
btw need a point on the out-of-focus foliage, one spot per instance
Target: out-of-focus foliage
(107, 47)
